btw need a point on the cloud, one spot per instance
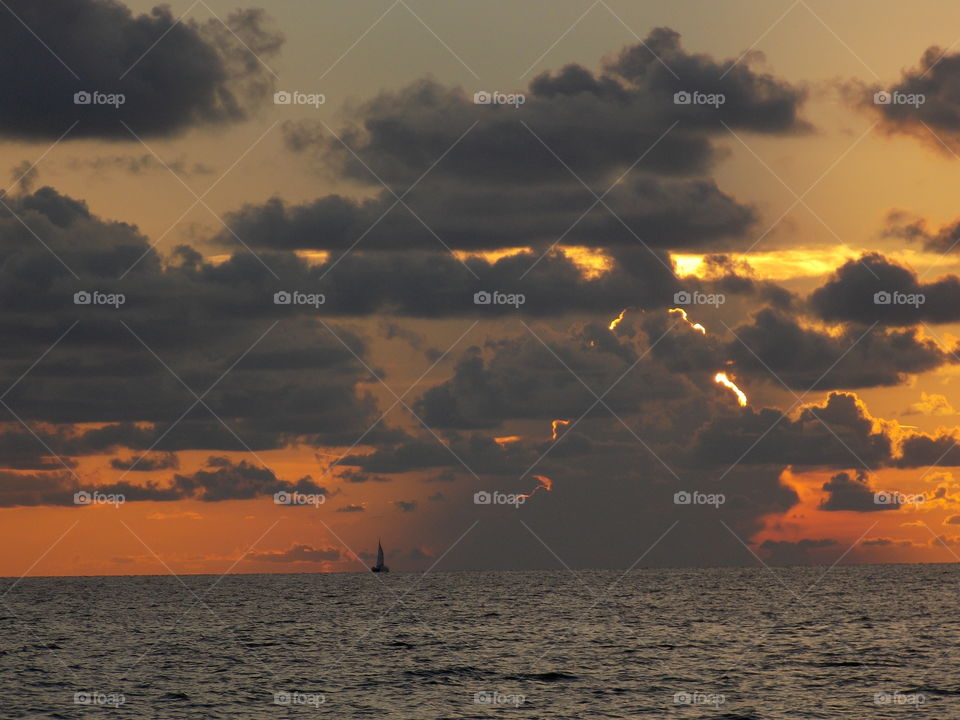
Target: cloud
(778, 347)
(905, 225)
(186, 515)
(174, 75)
(149, 463)
(851, 294)
(296, 553)
(238, 481)
(352, 476)
(495, 180)
(351, 509)
(139, 165)
(832, 434)
(221, 480)
(931, 404)
(886, 542)
(686, 214)
(785, 552)
(952, 520)
(846, 492)
(290, 379)
(407, 506)
(937, 79)
(599, 123)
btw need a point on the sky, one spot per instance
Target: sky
(719, 332)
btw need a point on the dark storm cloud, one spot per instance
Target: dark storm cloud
(847, 492)
(775, 346)
(197, 74)
(296, 553)
(862, 291)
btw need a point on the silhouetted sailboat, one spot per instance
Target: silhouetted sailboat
(380, 567)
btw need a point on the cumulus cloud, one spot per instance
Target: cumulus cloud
(937, 79)
(861, 291)
(198, 74)
(777, 346)
(848, 492)
(930, 404)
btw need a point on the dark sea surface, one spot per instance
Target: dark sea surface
(863, 642)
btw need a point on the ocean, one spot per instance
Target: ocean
(858, 642)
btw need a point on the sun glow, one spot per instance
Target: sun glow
(556, 424)
(543, 483)
(617, 320)
(683, 313)
(721, 379)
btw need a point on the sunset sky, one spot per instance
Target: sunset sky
(599, 199)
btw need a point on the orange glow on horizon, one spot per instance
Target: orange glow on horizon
(556, 424)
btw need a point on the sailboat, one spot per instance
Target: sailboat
(380, 567)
